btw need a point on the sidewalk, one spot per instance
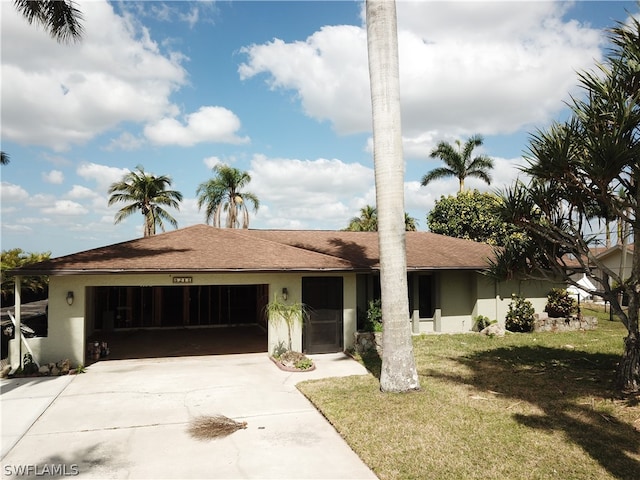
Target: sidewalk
(129, 419)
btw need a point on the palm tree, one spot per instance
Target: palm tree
(368, 221)
(410, 223)
(4, 158)
(398, 372)
(60, 18)
(459, 162)
(223, 192)
(148, 194)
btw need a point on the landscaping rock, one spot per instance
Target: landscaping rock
(493, 330)
(544, 323)
(64, 366)
(366, 341)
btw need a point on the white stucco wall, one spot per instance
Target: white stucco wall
(69, 326)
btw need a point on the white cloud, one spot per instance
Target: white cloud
(103, 175)
(328, 71)
(211, 162)
(67, 94)
(66, 208)
(465, 68)
(208, 124)
(78, 192)
(318, 194)
(13, 228)
(126, 141)
(12, 193)
(54, 176)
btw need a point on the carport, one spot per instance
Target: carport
(177, 320)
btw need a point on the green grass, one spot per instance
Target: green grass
(525, 406)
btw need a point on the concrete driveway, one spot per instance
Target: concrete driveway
(129, 419)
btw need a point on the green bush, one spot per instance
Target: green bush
(374, 316)
(520, 315)
(481, 322)
(304, 364)
(560, 304)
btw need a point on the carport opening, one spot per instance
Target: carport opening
(158, 321)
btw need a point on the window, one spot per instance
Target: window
(426, 296)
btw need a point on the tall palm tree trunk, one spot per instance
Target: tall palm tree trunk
(628, 371)
(398, 372)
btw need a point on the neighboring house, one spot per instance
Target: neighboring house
(614, 259)
(202, 276)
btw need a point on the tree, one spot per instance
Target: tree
(398, 372)
(15, 258)
(579, 164)
(223, 193)
(148, 194)
(459, 162)
(368, 221)
(4, 158)
(60, 18)
(470, 215)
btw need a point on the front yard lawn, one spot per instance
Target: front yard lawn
(525, 406)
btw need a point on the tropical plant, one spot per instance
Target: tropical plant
(368, 221)
(224, 193)
(470, 215)
(575, 165)
(291, 314)
(148, 194)
(459, 162)
(398, 371)
(520, 315)
(374, 316)
(14, 258)
(4, 158)
(560, 304)
(481, 322)
(60, 18)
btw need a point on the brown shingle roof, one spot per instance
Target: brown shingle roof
(205, 248)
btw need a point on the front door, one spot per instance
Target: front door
(323, 327)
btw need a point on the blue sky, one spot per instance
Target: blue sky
(279, 89)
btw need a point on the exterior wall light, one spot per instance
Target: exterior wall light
(70, 298)
(285, 293)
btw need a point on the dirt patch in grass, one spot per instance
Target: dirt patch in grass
(526, 406)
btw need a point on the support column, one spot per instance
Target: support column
(15, 345)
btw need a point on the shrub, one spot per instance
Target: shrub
(374, 316)
(560, 304)
(520, 315)
(304, 364)
(481, 322)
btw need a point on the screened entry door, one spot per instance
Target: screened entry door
(322, 332)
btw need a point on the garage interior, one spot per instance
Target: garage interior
(184, 320)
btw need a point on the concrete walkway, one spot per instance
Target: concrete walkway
(130, 418)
